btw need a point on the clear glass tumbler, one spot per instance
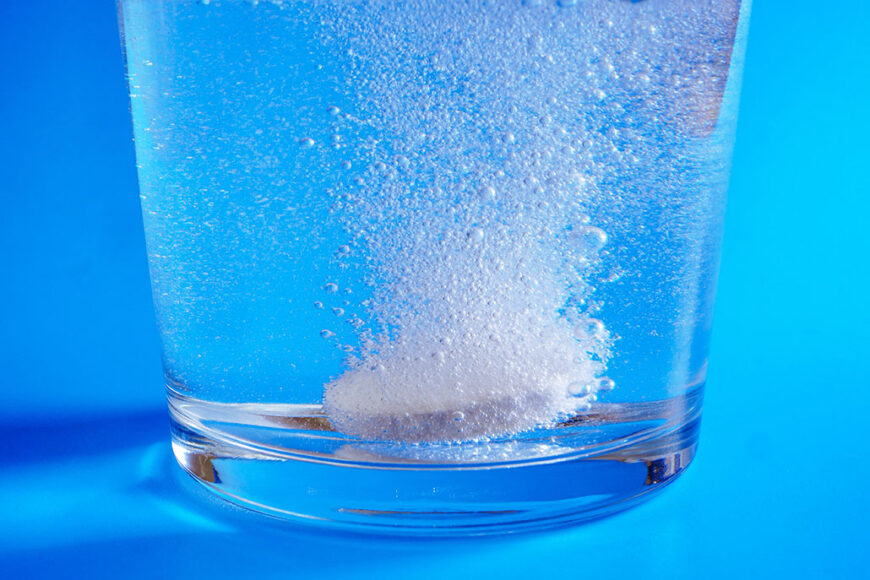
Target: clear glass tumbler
(434, 266)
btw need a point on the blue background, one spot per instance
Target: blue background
(87, 483)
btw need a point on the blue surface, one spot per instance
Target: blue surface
(87, 483)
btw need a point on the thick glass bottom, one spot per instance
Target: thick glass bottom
(286, 461)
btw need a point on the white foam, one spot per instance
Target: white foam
(494, 138)
(475, 325)
(481, 344)
(475, 387)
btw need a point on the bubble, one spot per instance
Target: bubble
(346, 164)
(147, 63)
(336, 138)
(306, 142)
(318, 305)
(475, 235)
(333, 110)
(331, 287)
(457, 416)
(486, 193)
(588, 240)
(580, 389)
(338, 311)
(403, 162)
(613, 276)
(343, 250)
(606, 384)
(327, 333)
(599, 94)
(588, 329)
(594, 327)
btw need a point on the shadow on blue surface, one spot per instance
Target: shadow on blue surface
(80, 438)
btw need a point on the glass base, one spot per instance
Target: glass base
(286, 461)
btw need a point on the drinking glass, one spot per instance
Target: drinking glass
(434, 266)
